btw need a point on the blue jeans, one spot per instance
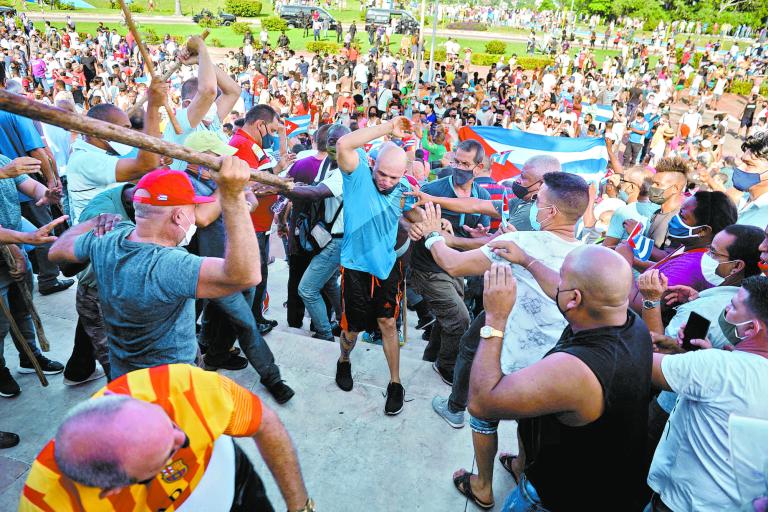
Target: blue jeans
(11, 295)
(233, 313)
(523, 498)
(322, 274)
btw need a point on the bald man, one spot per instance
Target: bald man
(581, 409)
(372, 274)
(97, 164)
(161, 439)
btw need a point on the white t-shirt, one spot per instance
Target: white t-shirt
(534, 325)
(333, 180)
(691, 468)
(90, 171)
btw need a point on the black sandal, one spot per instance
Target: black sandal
(506, 462)
(464, 487)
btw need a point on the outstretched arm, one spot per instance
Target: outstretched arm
(458, 204)
(346, 147)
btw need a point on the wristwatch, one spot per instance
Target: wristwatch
(651, 304)
(431, 234)
(489, 332)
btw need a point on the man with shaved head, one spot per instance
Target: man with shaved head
(161, 439)
(97, 164)
(531, 329)
(582, 409)
(372, 274)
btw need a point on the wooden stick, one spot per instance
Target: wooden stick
(21, 343)
(26, 294)
(405, 310)
(26, 107)
(168, 74)
(148, 63)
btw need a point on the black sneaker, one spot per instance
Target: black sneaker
(49, 367)
(335, 328)
(264, 329)
(395, 395)
(8, 385)
(267, 321)
(233, 362)
(344, 375)
(318, 336)
(60, 286)
(8, 440)
(446, 376)
(280, 392)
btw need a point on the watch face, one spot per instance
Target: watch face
(485, 332)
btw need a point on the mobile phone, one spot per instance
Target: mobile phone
(695, 329)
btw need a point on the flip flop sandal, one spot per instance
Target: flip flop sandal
(506, 463)
(464, 487)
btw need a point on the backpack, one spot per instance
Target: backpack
(312, 232)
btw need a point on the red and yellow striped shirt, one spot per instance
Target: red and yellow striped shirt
(203, 404)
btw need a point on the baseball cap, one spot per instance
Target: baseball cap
(166, 187)
(204, 140)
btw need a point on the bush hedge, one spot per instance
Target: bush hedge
(764, 89)
(134, 7)
(484, 59)
(440, 55)
(743, 87)
(695, 58)
(323, 47)
(495, 47)
(149, 35)
(241, 28)
(247, 8)
(533, 62)
(215, 42)
(274, 23)
(209, 22)
(467, 25)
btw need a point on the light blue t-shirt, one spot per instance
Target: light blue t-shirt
(636, 138)
(370, 221)
(186, 129)
(637, 211)
(10, 210)
(147, 294)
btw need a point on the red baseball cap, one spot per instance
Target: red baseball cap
(167, 187)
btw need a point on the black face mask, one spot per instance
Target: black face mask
(519, 190)
(461, 176)
(386, 191)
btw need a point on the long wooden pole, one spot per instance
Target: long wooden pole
(21, 343)
(26, 107)
(26, 295)
(167, 75)
(148, 63)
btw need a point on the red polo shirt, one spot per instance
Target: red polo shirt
(250, 151)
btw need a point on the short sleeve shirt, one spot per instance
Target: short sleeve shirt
(534, 325)
(147, 297)
(90, 171)
(10, 210)
(206, 406)
(250, 151)
(370, 221)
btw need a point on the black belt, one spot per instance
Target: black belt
(338, 235)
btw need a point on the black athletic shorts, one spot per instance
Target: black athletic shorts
(364, 298)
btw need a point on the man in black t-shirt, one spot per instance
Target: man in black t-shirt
(748, 116)
(582, 409)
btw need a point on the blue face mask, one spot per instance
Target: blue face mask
(267, 141)
(535, 224)
(623, 196)
(743, 180)
(679, 229)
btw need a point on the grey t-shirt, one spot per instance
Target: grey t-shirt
(147, 296)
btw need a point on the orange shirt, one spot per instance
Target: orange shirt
(250, 151)
(205, 405)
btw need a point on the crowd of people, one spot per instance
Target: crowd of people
(622, 322)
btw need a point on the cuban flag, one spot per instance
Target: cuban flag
(600, 113)
(641, 245)
(297, 125)
(585, 156)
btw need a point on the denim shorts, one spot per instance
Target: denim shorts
(486, 427)
(523, 498)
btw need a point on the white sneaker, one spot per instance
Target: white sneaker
(97, 374)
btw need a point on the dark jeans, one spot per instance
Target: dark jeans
(631, 153)
(467, 350)
(47, 272)
(297, 265)
(231, 315)
(261, 288)
(445, 296)
(90, 337)
(250, 495)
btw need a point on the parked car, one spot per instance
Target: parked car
(405, 24)
(224, 18)
(298, 15)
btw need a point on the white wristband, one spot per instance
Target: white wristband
(429, 242)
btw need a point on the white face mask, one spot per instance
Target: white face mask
(120, 149)
(709, 270)
(188, 233)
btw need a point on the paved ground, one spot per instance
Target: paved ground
(353, 456)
